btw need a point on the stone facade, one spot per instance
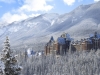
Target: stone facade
(84, 44)
(58, 47)
(91, 43)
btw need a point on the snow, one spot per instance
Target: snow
(80, 16)
(52, 22)
(32, 24)
(91, 35)
(8, 59)
(38, 53)
(50, 17)
(2, 67)
(16, 55)
(1, 32)
(98, 35)
(61, 40)
(68, 37)
(15, 29)
(29, 51)
(89, 40)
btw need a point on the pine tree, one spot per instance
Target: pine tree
(10, 61)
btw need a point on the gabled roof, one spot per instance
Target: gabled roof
(51, 39)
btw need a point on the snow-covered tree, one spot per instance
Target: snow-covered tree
(10, 62)
(1, 70)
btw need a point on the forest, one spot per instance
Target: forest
(73, 63)
(18, 62)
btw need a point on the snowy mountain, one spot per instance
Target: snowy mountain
(79, 23)
(27, 29)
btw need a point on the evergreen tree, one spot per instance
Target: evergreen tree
(10, 61)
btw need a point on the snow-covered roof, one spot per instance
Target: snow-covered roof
(61, 40)
(91, 35)
(68, 37)
(89, 40)
(95, 35)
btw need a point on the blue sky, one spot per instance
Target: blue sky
(15, 10)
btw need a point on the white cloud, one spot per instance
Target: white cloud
(8, 17)
(15, 17)
(69, 2)
(7, 1)
(35, 5)
(28, 9)
(34, 15)
(96, 0)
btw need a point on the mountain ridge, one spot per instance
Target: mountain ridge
(79, 23)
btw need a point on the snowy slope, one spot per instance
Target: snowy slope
(80, 22)
(27, 29)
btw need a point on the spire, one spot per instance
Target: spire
(95, 34)
(51, 39)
